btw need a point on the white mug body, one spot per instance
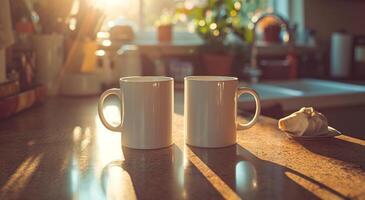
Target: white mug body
(210, 111)
(146, 111)
(148, 108)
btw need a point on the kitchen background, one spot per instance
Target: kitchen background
(286, 50)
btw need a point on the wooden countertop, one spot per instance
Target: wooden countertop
(60, 150)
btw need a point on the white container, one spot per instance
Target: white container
(341, 55)
(127, 62)
(49, 59)
(80, 84)
(360, 54)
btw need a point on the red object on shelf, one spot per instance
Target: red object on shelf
(272, 33)
(21, 101)
(9, 88)
(164, 33)
(24, 27)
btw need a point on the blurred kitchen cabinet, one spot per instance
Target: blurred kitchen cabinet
(174, 59)
(276, 62)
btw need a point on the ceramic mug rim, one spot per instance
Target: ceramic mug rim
(145, 79)
(210, 78)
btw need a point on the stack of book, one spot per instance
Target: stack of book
(13, 100)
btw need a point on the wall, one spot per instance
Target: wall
(327, 16)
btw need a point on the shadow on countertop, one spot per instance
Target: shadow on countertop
(253, 178)
(159, 174)
(169, 173)
(338, 149)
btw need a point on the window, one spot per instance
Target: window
(143, 14)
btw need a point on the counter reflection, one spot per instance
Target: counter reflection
(92, 149)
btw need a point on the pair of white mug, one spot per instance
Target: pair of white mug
(147, 105)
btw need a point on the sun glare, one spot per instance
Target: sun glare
(106, 3)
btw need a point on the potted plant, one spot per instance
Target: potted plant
(165, 27)
(216, 19)
(211, 24)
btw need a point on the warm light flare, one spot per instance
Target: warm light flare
(189, 5)
(106, 43)
(237, 5)
(201, 23)
(105, 3)
(100, 52)
(103, 35)
(213, 26)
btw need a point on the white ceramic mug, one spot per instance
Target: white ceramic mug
(211, 110)
(146, 111)
(49, 56)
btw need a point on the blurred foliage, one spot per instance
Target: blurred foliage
(158, 12)
(166, 18)
(216, 18)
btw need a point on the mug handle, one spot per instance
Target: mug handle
(245, 90)
(113, 91)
